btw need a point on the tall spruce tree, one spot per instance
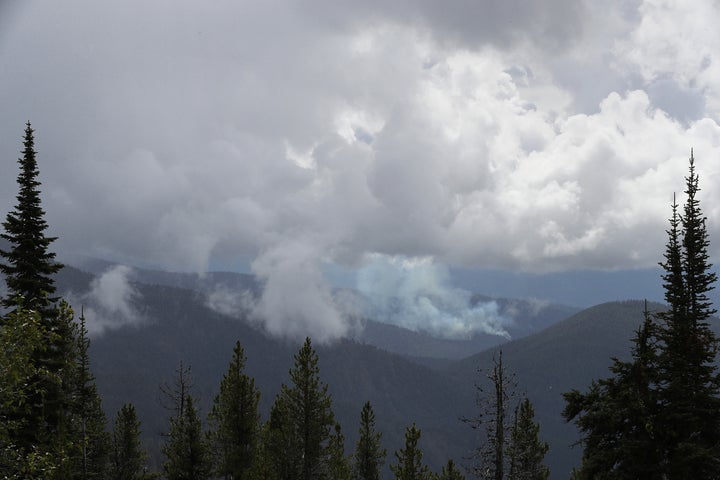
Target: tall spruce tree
(28, 264)
(409, 464)
(369, 455)
(526, 451)
(300, 421)
(235, 421)
(658, 416)
(689, 387)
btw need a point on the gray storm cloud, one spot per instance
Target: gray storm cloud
(298, 134)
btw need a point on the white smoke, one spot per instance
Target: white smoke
(416, 294)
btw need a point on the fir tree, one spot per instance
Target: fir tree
(526, 451)
(369, 455)
(658, 416)
(28, 264)
(689, 385)
(300, 421)
(235, 421)
(187, 452)
(409, 464)
(128, 457)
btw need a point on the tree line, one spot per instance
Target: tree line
(52, 425)
(656, 416)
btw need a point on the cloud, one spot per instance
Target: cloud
(110, 302)
(300, 134)
(296, 300)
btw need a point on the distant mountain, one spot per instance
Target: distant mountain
(131, 363)
(523, 316)
(528, 317)
(567, 355)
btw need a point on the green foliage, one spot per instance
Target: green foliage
(90, 453)
(128, 456)
(338, 465)
(235, 421)
(689, 390)
(300, 421)
(187, 452)
(409, 464)
(27, 449)
(658, 416)
(369, 455)
(526, 451)
(28, 265)
(450, 472)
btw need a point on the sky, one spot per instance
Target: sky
(298, 139)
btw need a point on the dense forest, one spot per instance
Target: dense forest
(656, 415)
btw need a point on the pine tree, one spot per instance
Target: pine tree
(128, 457)
(450, 472)
(235, 421)
(29, 265)
(689, 386)
(187, 452)
(409, 459)
(338, 465)
(369, 455)
(526, 451)
(300, 421)
(490, 457)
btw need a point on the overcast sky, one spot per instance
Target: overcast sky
(289, 135)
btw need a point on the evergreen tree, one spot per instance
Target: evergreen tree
(490, 457)
(128, 456)
(369, 455)
(450, 472)
(526, 451)
(88, 434)
(300, 421)
(689, 388)
(409, 459)
(187, 452)
(235, 421)
(27, 450)
(658, 416)
(338, 464)
(28, 264)
(618, 415)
